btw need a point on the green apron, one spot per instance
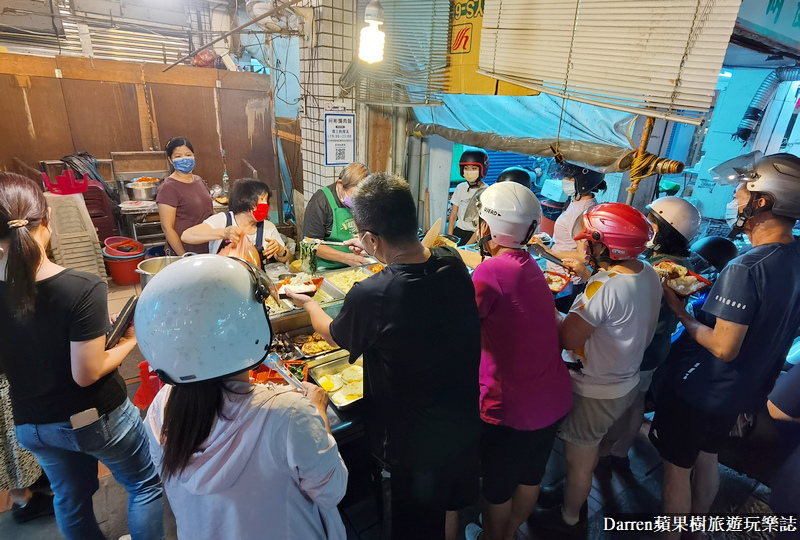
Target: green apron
(343, 229)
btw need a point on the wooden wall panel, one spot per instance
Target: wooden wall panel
(247, 134)
(103, 116)
(380, 139)
(34, 120)
(290, 133)
(187, 111)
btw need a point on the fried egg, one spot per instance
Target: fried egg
(353, 374)
(330, 383)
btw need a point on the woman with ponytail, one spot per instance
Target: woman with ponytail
(69, 402)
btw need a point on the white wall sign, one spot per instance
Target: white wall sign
(340, 138)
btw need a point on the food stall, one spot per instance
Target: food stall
(299, 348)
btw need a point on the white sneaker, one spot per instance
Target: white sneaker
(472, 532)
(125, 537)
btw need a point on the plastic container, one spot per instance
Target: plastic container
(550, 212)
(155, 251)
(66, 184)
(262, 374)
(114, 245)
(123, 269)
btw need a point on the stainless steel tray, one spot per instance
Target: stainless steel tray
(359, 269)
(308, 330)
(330, 364)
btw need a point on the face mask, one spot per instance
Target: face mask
(261, 212)
(732, 212)
(183, 164)
(471, 176)
(347, 201)
(568, 187)
(373, 255)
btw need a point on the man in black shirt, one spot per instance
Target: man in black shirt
(417, 325)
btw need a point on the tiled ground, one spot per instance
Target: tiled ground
(637, 491)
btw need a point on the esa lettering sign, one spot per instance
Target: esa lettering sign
(469, 9)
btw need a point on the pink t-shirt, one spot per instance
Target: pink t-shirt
(523, 381)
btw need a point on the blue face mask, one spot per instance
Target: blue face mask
(183, 164)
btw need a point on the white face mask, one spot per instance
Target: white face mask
(569, 187)
(471, 176)
(732, 212)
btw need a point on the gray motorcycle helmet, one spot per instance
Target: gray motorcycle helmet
(778, 175)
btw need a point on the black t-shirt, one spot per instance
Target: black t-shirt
(35, 352)
(318, 220)
(418, 327)
(760, 289)
(786, 397)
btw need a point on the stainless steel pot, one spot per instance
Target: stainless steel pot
(141, 191)
(150, 267)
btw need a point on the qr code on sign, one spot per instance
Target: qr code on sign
(339, 155)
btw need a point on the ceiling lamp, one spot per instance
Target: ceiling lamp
(370, 49)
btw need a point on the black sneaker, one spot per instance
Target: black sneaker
(38, 505)
(551, 521)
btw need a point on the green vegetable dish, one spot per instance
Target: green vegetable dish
(308, 257)
(297, 371)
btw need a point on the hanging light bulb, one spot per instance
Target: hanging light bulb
(370, 48)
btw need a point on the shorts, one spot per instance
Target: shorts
(463, 235)
(590, 418)
(680, 431)
(511, 457)
(645, 380)
(421, 495)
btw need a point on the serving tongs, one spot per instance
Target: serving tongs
(546, 255)
(274, 362)
(319, 242)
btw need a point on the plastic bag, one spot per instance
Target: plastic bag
(243, 249)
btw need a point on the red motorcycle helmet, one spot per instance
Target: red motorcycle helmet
(621, 228)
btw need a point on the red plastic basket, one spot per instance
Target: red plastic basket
(67, 184)
(262, 374)
(566, 281)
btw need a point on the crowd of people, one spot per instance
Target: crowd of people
(467, 377)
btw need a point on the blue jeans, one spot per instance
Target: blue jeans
(69, 458)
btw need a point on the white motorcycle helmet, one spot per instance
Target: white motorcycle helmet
(512, 213)
(679, 214)
(203, 318)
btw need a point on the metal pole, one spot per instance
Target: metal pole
(238, 28)
(648, 129)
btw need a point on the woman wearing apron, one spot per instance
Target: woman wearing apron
(328, 217)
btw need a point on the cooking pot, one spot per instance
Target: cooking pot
(141, 191)
(150, 267)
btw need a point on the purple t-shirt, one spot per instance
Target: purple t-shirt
(524, 383)
(192, 203)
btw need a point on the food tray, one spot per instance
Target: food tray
(567, 281)
(337, 363)
(307, 331)
(289, 349)
(359, 269)
(284, 307)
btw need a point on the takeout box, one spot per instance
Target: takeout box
(566, 279)
(263, 375)
(317, 282)
(705, 283)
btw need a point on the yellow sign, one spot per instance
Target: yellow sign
(462, 39)
(465, 45)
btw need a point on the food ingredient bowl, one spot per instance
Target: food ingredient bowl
(141, 191)
(150, 267)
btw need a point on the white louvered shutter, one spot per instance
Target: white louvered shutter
(656, 57)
